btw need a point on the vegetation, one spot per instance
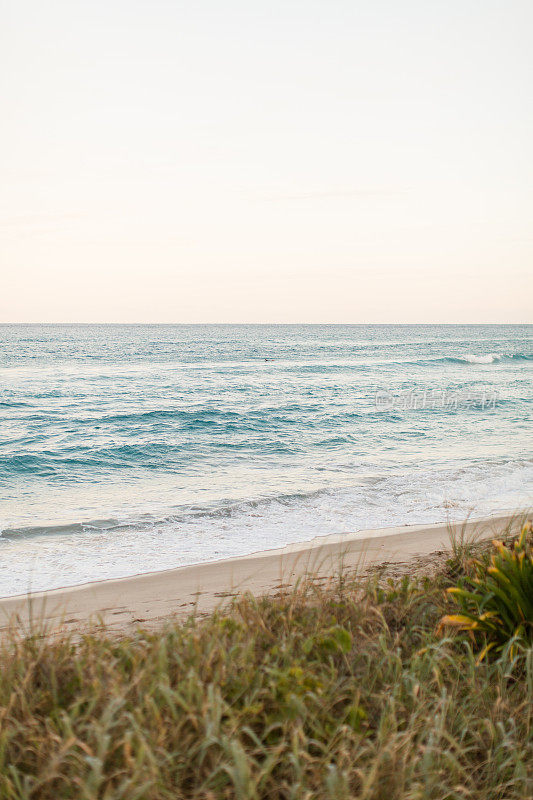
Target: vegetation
(495, 597)
(348, 690)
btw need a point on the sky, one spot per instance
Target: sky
(325, 161)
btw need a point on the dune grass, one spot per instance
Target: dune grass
(344, 690)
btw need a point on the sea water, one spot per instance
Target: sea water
(130, 448)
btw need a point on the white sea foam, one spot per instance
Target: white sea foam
(102, 549)
(471, 358)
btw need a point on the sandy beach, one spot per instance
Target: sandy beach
(149, 599)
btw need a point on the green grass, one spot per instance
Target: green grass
(495, 596)
(341, 691)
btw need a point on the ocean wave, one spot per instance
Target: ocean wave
(471, 358)
(68, 528)
(347, 506)
(384, 362)
(468, 358)
(225, 510)
(489, 358)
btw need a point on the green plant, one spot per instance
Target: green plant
(496, 603)
(328, 691)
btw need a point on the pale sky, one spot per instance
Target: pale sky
(273, 161)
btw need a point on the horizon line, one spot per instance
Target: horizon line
(345, 324)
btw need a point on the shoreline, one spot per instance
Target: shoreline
(152, 597)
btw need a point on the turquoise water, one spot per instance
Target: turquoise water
(133, 448)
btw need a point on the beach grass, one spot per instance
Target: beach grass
(346, 688)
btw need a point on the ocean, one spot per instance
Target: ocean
(132, 448)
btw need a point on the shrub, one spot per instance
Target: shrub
(496, 602)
